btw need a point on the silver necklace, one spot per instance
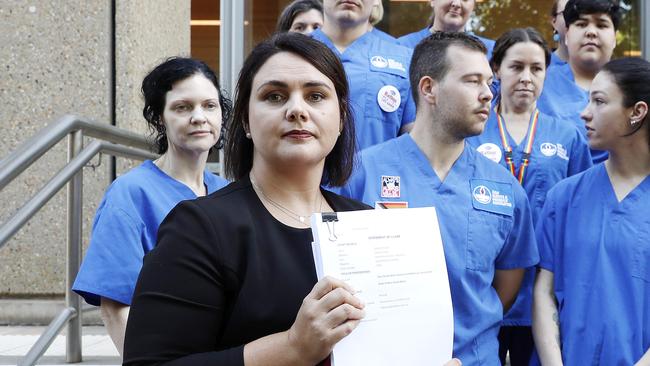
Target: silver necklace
(302, 219)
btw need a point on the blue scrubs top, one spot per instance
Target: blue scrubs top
(380, 93)
(126, 227)
(563, 98)
(556, 61)
(383, 35)
(412, 39)
(599, 252)
(485, 225)
(559, 151)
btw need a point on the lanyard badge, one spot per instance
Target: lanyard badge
(528, 148)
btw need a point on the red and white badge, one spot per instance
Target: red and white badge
(490, 151)
(384, 205)
(389, 98)
(390, 186)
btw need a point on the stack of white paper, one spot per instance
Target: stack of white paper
(394, 259)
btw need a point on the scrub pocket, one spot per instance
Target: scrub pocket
(542, 183)
(641, 254)
(486, 235)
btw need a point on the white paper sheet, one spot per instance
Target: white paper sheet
(395, 261)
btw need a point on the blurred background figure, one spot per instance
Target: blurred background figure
(590, 39)
(447, 16)
(561, 53)
(302, 16)
(376, 68)
(376, 16)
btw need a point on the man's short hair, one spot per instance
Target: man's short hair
(430, 56)
(575, 8)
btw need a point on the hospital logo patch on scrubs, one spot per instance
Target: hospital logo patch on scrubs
(548, 149)
(382, 205)
(490, 151)
(482, 194)
(390, 186)
(561, 152)
(378, 61)
(492, 196)
(389, 98)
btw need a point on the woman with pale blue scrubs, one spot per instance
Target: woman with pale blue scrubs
(592, 292)
(590, 39)
(539, 150)
(448, 16)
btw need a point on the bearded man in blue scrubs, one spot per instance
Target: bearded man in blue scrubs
(485, 217)
(377, 71)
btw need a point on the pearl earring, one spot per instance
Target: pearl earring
(248, 135)
(556, 36)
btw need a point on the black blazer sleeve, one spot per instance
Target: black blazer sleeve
(185, 284)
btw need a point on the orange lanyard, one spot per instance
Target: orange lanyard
(525, 161)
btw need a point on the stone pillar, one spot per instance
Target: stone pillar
(57, 58)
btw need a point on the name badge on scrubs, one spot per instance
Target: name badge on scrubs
(389, 98)
(490, 151)
(492, 196)
(383, 205)
(390, 186)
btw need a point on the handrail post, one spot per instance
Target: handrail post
(74, 245)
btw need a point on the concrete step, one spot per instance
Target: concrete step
(38, 312)
(97, 347)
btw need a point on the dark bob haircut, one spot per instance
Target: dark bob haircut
(430, 56)
(160, 80)
(239, 149)
(511, 38)
(293, 10)
(632, 76)
(575, 8)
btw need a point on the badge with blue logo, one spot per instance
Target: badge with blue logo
(492, 196)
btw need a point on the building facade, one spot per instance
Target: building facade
(89, 57)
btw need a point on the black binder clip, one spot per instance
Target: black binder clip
(329, 218)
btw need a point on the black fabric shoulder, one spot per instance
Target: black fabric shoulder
(341, 204)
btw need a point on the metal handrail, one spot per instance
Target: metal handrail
(20, 218)
(32, 149)
(117, 142)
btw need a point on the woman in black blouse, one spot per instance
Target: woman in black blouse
(232, 278)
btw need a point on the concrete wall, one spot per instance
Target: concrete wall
(147, 32)
(56, 58)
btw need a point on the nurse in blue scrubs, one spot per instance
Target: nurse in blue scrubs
(377, 71)
(539, 150)
(590, 39)
(592, 292)
(561, 53)
(186, 109)
(376, 15)
(483, 212)
(448, 16)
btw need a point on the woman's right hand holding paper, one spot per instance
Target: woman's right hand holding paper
(328, 314)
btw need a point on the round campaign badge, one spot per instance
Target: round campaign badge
(378, 61)
(548, 149)
(389, 98)
(490, 151)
